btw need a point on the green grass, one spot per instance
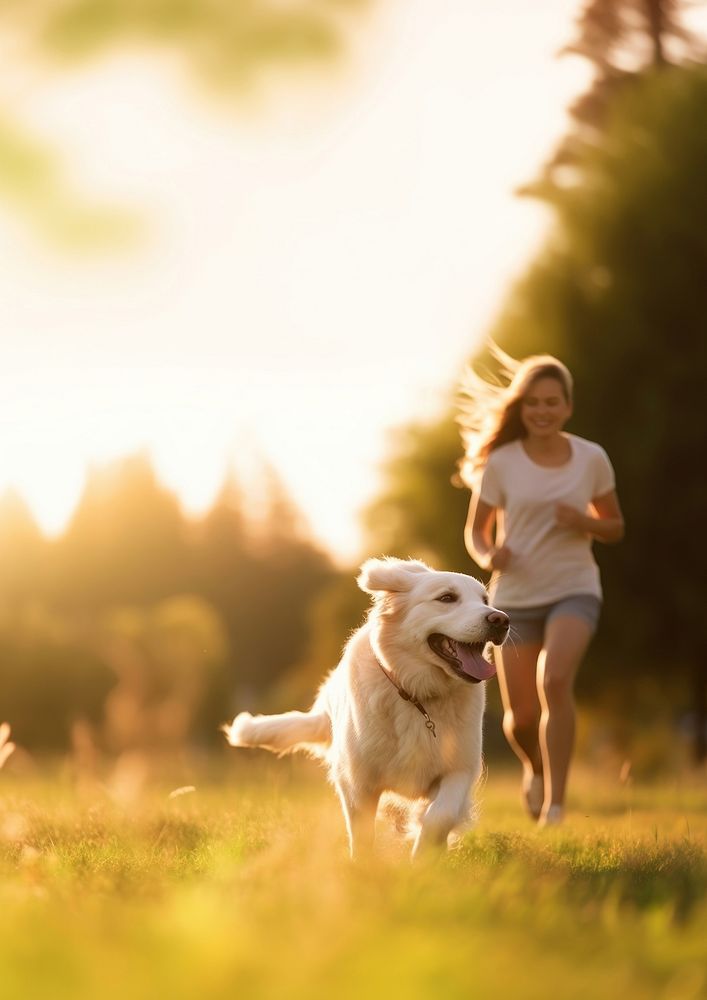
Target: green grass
(242, 889)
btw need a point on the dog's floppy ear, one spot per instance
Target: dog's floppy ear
(393, 576)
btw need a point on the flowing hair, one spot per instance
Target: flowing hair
(490, 403)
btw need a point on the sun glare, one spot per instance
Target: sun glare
(313, 276)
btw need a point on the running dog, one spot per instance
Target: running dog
(402, 711)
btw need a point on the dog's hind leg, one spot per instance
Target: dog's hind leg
(279, 733)
(360, 816)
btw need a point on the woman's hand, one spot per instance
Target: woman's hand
(570, 517)
(500, 558)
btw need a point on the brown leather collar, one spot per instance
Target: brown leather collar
(429, 724)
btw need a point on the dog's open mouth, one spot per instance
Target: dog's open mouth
(465, 658)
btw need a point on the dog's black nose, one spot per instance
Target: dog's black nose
(498, 618)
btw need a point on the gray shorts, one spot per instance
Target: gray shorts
(528, 624)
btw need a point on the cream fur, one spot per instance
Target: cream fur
(371, 739)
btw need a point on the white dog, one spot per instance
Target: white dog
(402, 711)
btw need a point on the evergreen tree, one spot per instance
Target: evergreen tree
(419, 510)
(126, 542)
(618, 293)
(22, 551)
(622, 39)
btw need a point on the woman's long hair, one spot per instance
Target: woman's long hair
(490, 404)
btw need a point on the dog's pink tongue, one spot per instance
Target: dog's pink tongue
(473, 663)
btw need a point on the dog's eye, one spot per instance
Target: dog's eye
(448, 598)
(484, 598)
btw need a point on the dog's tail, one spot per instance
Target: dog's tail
(309, 731)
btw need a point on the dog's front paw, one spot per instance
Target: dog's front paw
(237, 733)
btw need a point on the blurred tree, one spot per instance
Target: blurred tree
(220, 544)
(34, 184)
(224, 45)
(227, 48)
(622, 39)
(193, 619)
(419, 511)
(224, 570)
(126, 542)
(335, 612)
(629, 42)
(167, 660)
(286, 575)
(619, 294)
(22, 550)
(50, 678)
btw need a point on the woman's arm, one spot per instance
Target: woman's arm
(605, 523)
(478, 536)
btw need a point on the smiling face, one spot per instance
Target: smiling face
(450, 612)
(545, 408)
(425, 619)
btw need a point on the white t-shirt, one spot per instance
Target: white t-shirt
(548, 562)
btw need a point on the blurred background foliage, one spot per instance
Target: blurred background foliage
(34, 186)
(145, 626)
(226, 50)
(618, 292)
(139, 625)
(139, 628)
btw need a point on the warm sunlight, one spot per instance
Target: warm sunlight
(352, 358)
(315, 271)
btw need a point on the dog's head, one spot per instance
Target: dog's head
(422, 617)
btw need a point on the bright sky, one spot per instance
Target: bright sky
(317, 270)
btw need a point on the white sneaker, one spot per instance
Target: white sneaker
(552, 816)
(533, 793)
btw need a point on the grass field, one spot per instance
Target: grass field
(241, 888)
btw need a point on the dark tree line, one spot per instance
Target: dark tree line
(132, 585)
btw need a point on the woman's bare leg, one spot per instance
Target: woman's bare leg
(517, 670)
(566, 641)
